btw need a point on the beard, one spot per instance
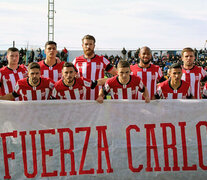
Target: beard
(35, 80)
(89, 52)
(145, 62)
(189, 63)
(70, 80)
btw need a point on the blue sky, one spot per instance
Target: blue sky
(115, 24)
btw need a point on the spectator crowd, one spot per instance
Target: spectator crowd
(135, 75)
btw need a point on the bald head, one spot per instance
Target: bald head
(145, 48)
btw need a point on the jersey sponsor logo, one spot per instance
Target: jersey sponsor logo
(87, 84)
(197, 78)
(43, 94)
(153, 77)
(98, 66)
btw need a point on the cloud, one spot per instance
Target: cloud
(114, 23)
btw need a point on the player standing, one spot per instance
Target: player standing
(92, 66)
(70, 87)
(149, 73)
(191, 73)
(124, 85)
(174, 87)
(32, 88)
(50, 67)
(10, 74)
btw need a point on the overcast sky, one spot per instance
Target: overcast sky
(159, 24)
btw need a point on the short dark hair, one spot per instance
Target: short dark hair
(33, 65)
(90, 37)
(123, 64)
(187, 49)
(12, 49)
(176, 66)
(50, 42)
(70, 64)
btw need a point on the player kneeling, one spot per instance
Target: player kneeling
(124, 85)
(32, 88)
(72, 88)
(174, 87)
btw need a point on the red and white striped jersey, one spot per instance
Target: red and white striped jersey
(26, 92)
(92, 69)
(205, 90)
(150, 76)
(165, 90)
(9, 78)
(120, 91)
(77, 91)
(53, 72)
(193, 77)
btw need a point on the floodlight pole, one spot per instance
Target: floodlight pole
(51, 13)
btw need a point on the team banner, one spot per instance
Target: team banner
(165, 139)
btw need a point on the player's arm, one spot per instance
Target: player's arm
(101, 81)
(144, 91)
(204, 94)
(55, 94)
(203, 75)
(103, 92)
(100, 96)
(8, 97)
(111, 69)
(146, 95)
(161, 78)
(94, 83)
(158, 94)
(190, 94)
(204, 79)
(153, 97)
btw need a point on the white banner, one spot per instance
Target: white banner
(165, 139)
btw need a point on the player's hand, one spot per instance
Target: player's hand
(147, 100)
(100, 99)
